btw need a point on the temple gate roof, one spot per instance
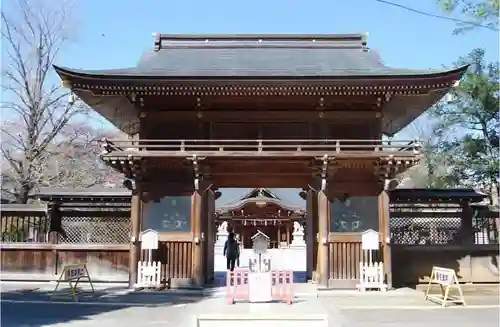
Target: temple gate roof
(341, 55)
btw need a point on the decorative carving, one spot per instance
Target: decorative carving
(169, 214)
(355, 214)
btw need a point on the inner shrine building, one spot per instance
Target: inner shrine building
(204, 112)
(261, 210)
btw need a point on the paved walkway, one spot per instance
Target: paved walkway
(120, 307)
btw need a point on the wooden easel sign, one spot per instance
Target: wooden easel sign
(73, 274)
(448, 283)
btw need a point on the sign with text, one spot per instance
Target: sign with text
(260, 242)
(448, 284)
(73, 274)
(149, 239)
(370, 240)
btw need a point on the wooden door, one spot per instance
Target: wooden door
(171, 217)
(349, 219)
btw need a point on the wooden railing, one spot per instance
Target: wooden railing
(160, 147)
(24, 224)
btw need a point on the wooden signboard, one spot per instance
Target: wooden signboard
(370, 240)
(260, 243)
(448, 283)
(73, 274)
(149, 239)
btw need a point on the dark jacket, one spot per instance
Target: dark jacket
(231, 248)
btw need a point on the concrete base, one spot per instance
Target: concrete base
(267, 319)
(364, 287)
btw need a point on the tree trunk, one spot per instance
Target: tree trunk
(24, 194)
(494, 194)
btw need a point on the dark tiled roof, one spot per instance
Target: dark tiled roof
(426, 194)
(260, 56)
(83, 194)
(33, 208)
(257, 195)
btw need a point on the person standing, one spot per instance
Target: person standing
(231, 251)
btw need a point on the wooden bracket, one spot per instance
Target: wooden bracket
(199, 183)
(324, 172)
(320, 182)
(196, 170)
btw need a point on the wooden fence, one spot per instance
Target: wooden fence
(98, 236)
(451, 235)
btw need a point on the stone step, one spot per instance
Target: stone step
(266, 319)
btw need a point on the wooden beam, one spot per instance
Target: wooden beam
(262, 115)
(266, 181)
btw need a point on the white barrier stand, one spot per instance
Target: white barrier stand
(148, 274)
(448, 282)
(371, 273)
(73, 273)
(371, 276)
(148, 271)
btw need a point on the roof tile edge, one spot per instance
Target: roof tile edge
(354, 37)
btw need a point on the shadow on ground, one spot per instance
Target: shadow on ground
(35, 307)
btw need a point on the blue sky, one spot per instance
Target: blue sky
(114, 33)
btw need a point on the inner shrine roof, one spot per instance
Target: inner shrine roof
(257, 56)
(259, 195)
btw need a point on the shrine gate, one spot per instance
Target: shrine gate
(288, 111)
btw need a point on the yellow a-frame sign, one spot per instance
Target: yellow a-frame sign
(448, 283)
(73, 273)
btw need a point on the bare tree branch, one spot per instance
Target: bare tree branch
(33, 33)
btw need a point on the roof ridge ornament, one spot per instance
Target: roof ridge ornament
(157, 43)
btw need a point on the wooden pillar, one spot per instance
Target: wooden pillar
(323, 231)
(288, 234)
(135, 220)
(209, 235)
(385, 234)
(197, 256)
(311, 230)
(466, 231)
(467, 237)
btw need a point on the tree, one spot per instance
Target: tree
(70, 160)
(470, 125)
(74, 161)
(33, 33)
(484, 13)
(433, 170)
(46, 138)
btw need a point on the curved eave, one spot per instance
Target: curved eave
(239, 205)
(136, 76)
